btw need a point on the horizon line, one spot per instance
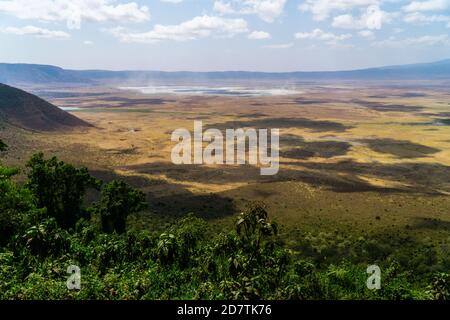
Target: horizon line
(235, 71)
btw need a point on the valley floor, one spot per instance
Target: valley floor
(354, 157)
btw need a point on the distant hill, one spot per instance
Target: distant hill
(27, 111)
(43, 74)
(34, 73)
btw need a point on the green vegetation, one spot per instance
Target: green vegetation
(45, 228)
(117, 202)
(60, 188)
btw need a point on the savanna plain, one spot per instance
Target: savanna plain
(364, 167)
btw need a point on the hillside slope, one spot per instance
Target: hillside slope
(27, 111)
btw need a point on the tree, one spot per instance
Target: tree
(118, 200)
(60, 188)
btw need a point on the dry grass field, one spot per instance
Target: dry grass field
(354, 156)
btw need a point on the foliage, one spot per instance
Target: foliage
(118, 201)
(187, 260)
(60, 188)
(440, 286)
(17, 206)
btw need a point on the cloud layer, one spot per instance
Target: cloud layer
(196, 28)
(75, 11)
(321, 21)
(267, 10)
(35, 31)
(259, 35)
(373, 18)
(327, 37)
(322, 9)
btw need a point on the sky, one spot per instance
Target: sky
(219, 35)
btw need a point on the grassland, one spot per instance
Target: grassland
(356, 158)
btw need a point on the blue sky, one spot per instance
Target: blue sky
(206, 35)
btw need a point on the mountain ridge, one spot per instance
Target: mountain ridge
(38, 74)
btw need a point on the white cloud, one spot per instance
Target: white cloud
(35, 31)
(429, 5)
(198, 27)
(73, 12)
(322, 9)
(267, 10)
(88, 43)
(367, 34)
(172, 1)
(420, 18)
(347, 21)
(223, 8)
(373, 18)
(279, 46)
(428, 40)
(259, 35)
(318, 34)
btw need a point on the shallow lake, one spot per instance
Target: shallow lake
(215, 91)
